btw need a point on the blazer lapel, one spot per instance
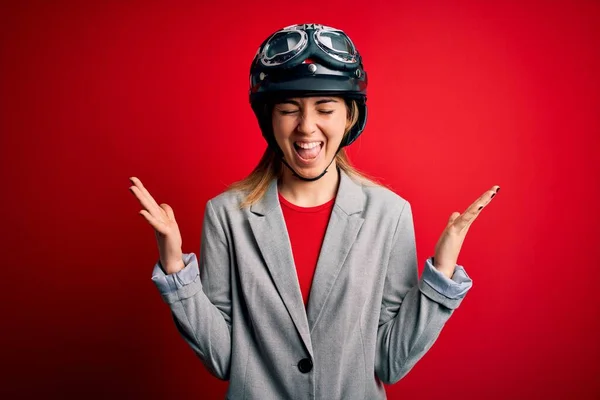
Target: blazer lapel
(269, 229)
(342, 230)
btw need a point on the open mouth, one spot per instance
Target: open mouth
(308, 151)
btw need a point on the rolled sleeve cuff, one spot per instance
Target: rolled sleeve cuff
(170, 283)
(440, 288)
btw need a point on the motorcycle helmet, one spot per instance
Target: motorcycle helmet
(307, 60)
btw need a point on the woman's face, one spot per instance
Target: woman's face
(309, 131)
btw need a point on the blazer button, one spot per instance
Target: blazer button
(305, 365)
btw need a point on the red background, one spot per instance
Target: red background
(462, 96)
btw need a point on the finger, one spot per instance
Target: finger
(156, 211)
(453, 217)
(168, 210)
(489, 195)
(462, 223)
(485, 198)
(138, 183)
(159, 226)
(151, 204)
(471, 213)
(482, 201)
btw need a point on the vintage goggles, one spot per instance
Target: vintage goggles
(293, 44)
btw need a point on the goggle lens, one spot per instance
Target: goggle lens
(336, 41)
(282, 43)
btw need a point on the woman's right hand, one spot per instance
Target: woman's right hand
(162, 219)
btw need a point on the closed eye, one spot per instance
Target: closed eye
(289, 112)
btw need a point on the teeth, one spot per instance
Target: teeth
(307, 146)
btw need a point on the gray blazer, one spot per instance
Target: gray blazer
(369, 317)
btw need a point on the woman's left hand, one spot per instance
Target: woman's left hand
(450, 243)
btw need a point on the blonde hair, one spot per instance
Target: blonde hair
(270, 167)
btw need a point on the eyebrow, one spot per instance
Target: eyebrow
(294, 102)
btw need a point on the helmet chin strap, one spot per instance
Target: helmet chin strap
(308, 179)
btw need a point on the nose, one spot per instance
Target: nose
(307, 124)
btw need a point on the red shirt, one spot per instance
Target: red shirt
(306, 228)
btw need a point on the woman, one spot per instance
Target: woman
(307, 286)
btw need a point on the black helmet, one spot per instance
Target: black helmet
(307, 60)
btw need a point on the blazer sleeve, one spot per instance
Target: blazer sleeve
(169, 283)
(200, 297)
(413, 311)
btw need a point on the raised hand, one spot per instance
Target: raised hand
(450, 243)
(162, 219)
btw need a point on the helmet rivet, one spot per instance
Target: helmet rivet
(262, 76)
(312, 68)
(358, 73)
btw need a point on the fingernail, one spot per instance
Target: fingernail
(480, 207)
(497, 190)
